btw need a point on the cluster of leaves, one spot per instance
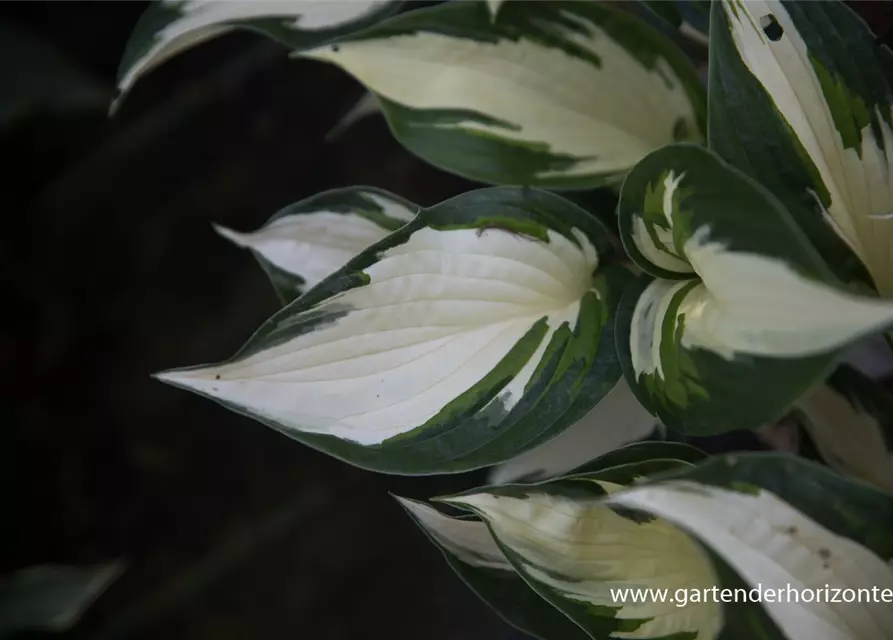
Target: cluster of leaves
(510, 328)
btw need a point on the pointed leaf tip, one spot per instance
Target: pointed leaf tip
(236, 237)
(306, 242)
(487, 125)
(167, 29)
(514, 308)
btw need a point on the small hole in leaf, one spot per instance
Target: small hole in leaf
(771, 28)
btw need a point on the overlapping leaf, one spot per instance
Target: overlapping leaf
(617, 420)
(169, 27)
(850, 422)
(733, 522)
(553, 94)
(474, 555)
(477, 331)
(573, 551)
(744, 317)
(308, 241)
(471, 552)
(802, 100)
(690, 17)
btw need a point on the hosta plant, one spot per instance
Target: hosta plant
(576, 353)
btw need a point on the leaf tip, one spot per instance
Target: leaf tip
(323, 53)
(191, 379)
(238, 239)
(472, 502)
(408, 504)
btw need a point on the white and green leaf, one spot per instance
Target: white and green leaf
(816, 84)
(553, 94)
(780, 521)
(649, 454)
(574, 550)
(850, 422)
(170, 27)
(617, 420)
(470, 550)
(480, 329)
(761, 316)
(306, 242)
(733, 522)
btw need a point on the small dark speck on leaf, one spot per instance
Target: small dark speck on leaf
(771, 28)
(217, 377)
(824, 554)
(336, 48)
(791, 530)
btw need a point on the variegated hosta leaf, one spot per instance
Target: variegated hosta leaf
(306, 242)
(573, 550)
(757, 319)
(170, 27)
(690, 17)
(553, 94)
(478, 330)
(735, 523)
(639, 455)
(818, 67)
(780, 521)
(850, 422)
(617, 420)
(472, 553)
(470, 550)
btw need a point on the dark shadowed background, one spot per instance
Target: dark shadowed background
(111, 271)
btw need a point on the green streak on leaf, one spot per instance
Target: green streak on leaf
(848, 110)
(745, 487)
(602, 611)
(447, 118)
(734, 8)
(513, 225)
(283, 327)
(653, 207)
(682, 219)
(476, 399)
(681, 380)
(639, 517)
(437, 136)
